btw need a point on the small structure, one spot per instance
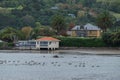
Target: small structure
(47, 42)
(26, 44)
(54, 8)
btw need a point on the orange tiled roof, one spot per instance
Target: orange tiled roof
(48, 39)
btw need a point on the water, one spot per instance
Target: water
(39, 66)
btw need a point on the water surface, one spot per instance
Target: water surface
(42, 66)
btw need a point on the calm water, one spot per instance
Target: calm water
(36, 66)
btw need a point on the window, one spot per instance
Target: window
(50, 43)
(37, 42)
(32, 43)
(43, 43)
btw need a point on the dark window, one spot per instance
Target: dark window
(44, 43)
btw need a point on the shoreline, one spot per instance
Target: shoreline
(70, 50)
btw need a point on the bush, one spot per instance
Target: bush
(81, 42)
(106, 37)
(112, 39)
(11, 44)
(3, 45)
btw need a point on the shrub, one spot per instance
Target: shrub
(106, 37)
(10, 44)
(112, 39)
(3, 45)
(116, 39)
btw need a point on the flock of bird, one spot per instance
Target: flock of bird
(54, 63)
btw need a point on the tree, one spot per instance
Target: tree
(28, 20)
(10, 34)
(28, 32)
(105, 21)
(58, 23)
(88, 3)
(112, 39)
(41, 30)
(117, 26)
(71, 25)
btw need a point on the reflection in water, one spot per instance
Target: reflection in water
(35, 66)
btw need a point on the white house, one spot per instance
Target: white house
(47, 42)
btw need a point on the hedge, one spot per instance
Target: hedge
(81, 42)
(112, 39)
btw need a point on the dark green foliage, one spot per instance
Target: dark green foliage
(112, 39)
(11, 44)
(14, 11)
(88, 3)
(10, 34)
(105, 21)
(81, 42)
(43, 31)
(58, 23)
(3, 45)
(107, 38)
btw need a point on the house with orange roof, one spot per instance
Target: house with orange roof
(47, 42)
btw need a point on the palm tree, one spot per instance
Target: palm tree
(105, 21)
(10, 34)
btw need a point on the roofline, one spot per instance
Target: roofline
(47, 40)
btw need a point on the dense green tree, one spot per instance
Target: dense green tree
(28, 32)
(10, 34)
(116, 26)
(88, 3)
(112, 39)
(18, 13)
(105, 21)
(58, 23)
(28, 20)
(41, 30)
(7, 20)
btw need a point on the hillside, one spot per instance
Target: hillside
(20, 13)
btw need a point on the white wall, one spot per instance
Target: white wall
(51, 44)
(54, 44)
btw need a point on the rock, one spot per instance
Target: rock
(55, 56)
